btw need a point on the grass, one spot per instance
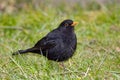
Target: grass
(98, 47)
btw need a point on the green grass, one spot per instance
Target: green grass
(98, 46)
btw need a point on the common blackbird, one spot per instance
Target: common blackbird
(58, 45)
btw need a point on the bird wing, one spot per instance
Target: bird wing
(45, 43)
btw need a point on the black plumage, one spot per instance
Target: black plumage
(58, 45)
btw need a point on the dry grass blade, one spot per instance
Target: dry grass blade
(11, 27)
(68, 72)
(18, 66)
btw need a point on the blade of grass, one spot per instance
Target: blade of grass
(18, 66)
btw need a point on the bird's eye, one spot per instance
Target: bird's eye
(66, 24)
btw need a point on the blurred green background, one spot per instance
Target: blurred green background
(24, 22)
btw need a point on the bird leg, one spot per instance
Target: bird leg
(61, 64)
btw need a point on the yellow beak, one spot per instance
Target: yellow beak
(74, 23)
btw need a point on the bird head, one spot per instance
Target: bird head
(67, 25)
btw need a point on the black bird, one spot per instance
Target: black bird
(58, 45)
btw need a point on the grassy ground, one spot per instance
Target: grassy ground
(98, 47)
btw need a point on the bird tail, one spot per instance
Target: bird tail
(23, 51)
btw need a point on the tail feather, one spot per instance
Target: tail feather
(23, 51)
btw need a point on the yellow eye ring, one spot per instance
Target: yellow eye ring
(66, 24)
